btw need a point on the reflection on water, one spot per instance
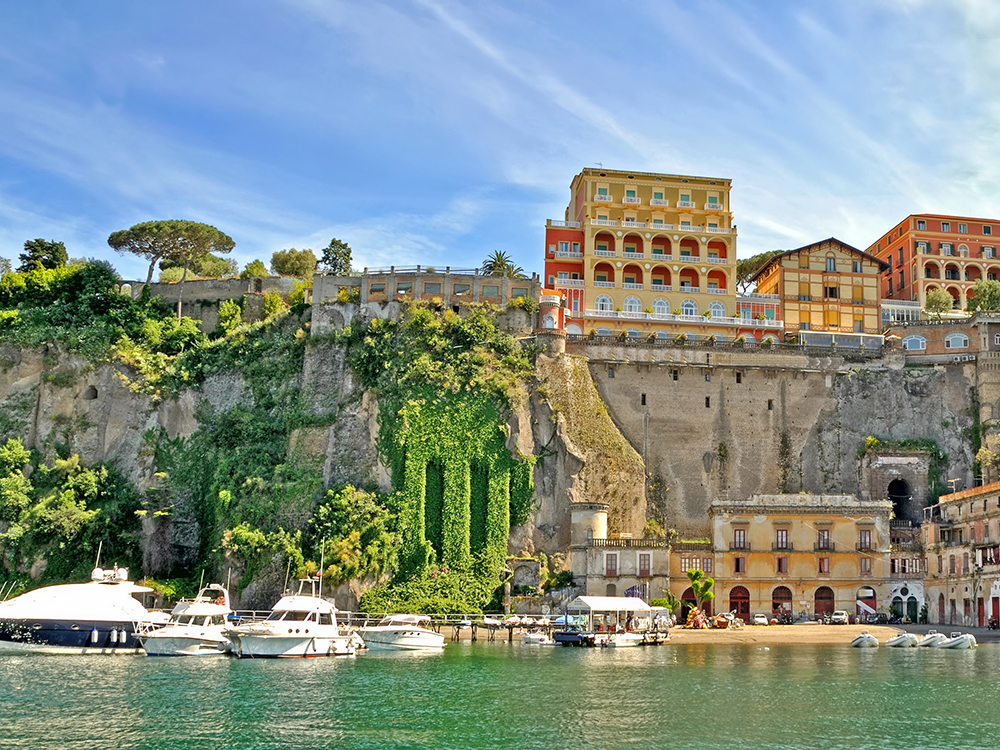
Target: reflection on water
(497, 695)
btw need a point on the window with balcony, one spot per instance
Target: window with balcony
(717, 309)
(602, 191)
(921, 224)
(611, 564)
(630, 194)
(890, 287)
(685, 196)
(661, 306)
(865, 539)
(604, 303)
(644, 559)
(713, 200)
(989, 252)
(658, 195)
(781, 566)
(688, 306)
(945, 226)
(739, 538)
(564, 247)
(822, 539)
(865, 566)
(951, 565)
(781, 538)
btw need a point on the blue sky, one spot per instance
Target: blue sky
(438, 131)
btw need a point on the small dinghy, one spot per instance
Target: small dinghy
(932, 639)
(903, 640)
(958, 640)
(865, 640)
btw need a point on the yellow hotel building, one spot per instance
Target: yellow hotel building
(649, 254)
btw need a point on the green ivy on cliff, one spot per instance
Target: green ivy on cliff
(937, 459)
(445, 385)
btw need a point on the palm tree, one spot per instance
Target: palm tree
(500, 264)
(701, 586)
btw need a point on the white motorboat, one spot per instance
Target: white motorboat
(196, 627)
(302, 625)
(903, 640)
(100, 617)
(625, 640)
(932, 639)
(537, 639)
(865, 640)
(408, 632)
(958, 640)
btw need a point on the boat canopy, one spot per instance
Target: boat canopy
(597, 604)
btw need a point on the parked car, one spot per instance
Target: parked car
(759, 619)
(839, 617)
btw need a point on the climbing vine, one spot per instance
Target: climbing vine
(937, 459)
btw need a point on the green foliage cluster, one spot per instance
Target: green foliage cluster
(336, 258)
(81, 308)
(445, 383)
(41, 253)
(294, 262)
(63, 513)
(254, 268)
(354, 532)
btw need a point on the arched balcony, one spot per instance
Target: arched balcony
(604, 244)
(932, 271)
(661, 279)
(718, 252)
(956, 295)
(632, 246)
(689, 249)
(604, 275)
(662, 249)
(973, 273)
(632, 277)
(688, 280)
(717, 282)
(952, 272)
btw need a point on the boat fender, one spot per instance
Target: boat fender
(113, 636)
(220, 600)
(94, 635)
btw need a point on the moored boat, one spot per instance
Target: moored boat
(196, 627)
(902, 640)
(931, 639)
(303, 625)
(99, 617)
(405, 632)
(865, 640)
(537, 639)
(625, 640)
(958, 641)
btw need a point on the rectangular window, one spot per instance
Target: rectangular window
(739, 565)
(376, 288)
(865, 539)
(921, 224)
(602, 191)
(987, 229)
(658, 221)
(708, 377)
(831, 265)
(712, 199)
(644, 564)
(856, 266)
(658, 195)
(685, 196)
(491, 290)
(611, 564)
(770, 404)
(830, 292)
(902, 278)
(823, 539)
(404, 287)
(900, 256)
(963, 229)
(706, 564)
(643, 399)
(781, 539)
(708, 402)
(866, 566)
(460, 289)
(611, 372)
(739, 377)
(685, 224)
(576, 247)
(739, 538)
(945, 226)
(432, 287)
(824, 565)
(782, 565)
(563, 275)
(675, 374)
(564, 247)
(630, 194)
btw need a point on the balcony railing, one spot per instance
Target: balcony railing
(656, 544)
(718, 230)
(639, 256)
(605, 284)
(567, 224)
(602, 198)
(745, 547)
(714, 207)
(631, 200)
(689, 289)
(789, 547)
(865, 547)
(661, 288)
(568, 254)
(634, 224)
(655, 225)
(605, 253)
(632, 285)
(689, 258)
(828, 547)
(710, 290)
(717, 261)
(685, 204)
(576, 283)
(604, 222)
(671, 318)
(659, 202)
(661, 256)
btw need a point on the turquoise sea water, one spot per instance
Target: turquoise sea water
(495, 695)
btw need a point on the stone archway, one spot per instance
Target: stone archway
(824, 601)
(739, 602)
(901, 497)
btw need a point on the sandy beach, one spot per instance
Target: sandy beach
(777, 635)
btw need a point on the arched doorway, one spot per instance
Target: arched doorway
(912, 609)
(900, 495)
(824, 601)
(940, 608)
(866, 603)
(781, 601)
(896, 608)
(688, 602)
(739, 602)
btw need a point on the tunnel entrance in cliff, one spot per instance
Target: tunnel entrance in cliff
(900, 496)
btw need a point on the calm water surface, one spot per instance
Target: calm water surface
(493, 695)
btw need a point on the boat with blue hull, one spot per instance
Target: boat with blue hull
(99, 617)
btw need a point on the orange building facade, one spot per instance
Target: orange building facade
(651, 254)
(928, 251)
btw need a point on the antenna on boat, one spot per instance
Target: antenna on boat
(288, 570)
(229, 577)
(100, 546)
(201, 580)
(322, 561)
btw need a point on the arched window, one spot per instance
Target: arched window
(661, 306)
(632, 304)
(956, 341)
(769, 339)
(604, 302)
(717, 309)
(633, 333)
(662, 335)
(602, 331)
(689, 307)
(914, 343)
(549, 321)
(781, 599)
